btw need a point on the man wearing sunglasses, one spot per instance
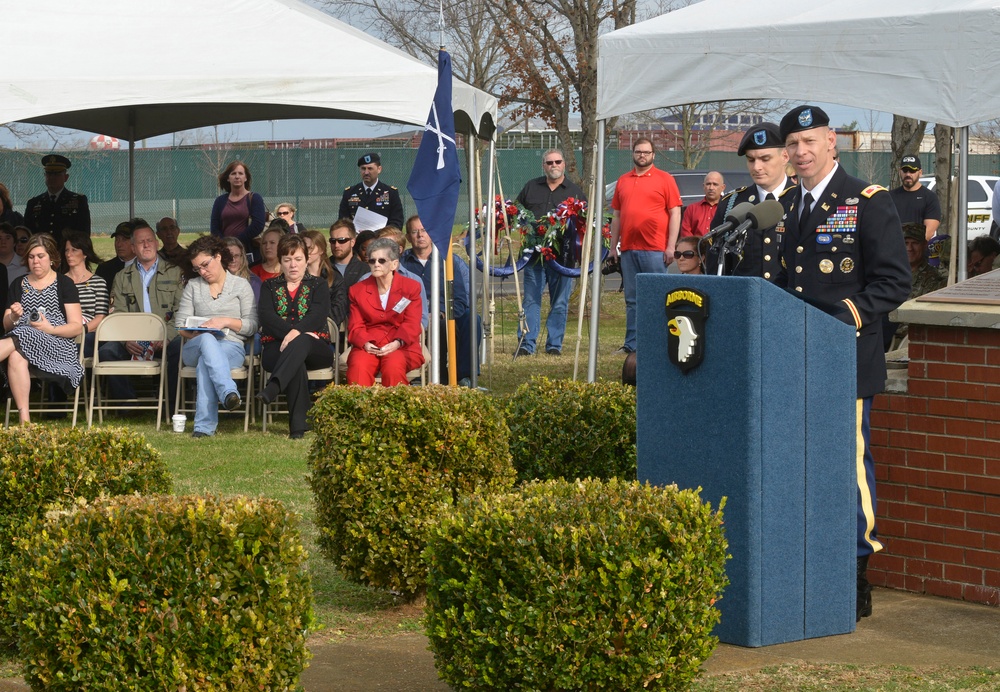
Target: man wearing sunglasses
(342, 235)
(540, 196)
(766, 161)
(646, 219)
(57, 208)
(372, 194)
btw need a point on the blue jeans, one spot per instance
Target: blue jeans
(537, 274)
(637, 262)
(214, 358)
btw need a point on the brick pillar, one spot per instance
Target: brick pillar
(937, 461)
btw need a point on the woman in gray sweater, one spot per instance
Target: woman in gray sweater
(217, 315)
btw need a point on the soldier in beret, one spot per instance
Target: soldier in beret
(57, 208)
(372, 194)
(843, 247)
(766, 160)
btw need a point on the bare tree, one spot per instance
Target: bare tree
(907, 134)
(945, 184)
(695, 129)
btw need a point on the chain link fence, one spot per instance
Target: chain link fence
(183, 182)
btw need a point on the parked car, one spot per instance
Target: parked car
(980, 201)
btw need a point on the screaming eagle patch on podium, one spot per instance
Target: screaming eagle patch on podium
(687, 312)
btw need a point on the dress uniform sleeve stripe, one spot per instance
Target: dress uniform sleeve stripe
(854, 312)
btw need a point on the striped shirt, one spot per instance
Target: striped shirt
(93, 297)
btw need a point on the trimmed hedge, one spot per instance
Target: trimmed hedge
(566, 429)
(575, 586)
(387, 461)
(161, 592)
(42, 467)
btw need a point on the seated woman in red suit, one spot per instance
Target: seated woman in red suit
(384, 322)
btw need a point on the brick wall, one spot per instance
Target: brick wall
(937, 461)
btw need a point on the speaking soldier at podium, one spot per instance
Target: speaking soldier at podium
(843, 247)
(766, 160)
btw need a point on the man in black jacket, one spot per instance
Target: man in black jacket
(844, 247)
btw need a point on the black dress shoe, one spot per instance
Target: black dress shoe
(296, 435)
(232, 401)
(864, 603)
(198, 433)
(522, 352)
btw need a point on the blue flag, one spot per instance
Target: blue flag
(436, 178)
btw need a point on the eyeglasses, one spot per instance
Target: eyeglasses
(284, 213)
(340, 241)
(553, 163)
(204, 265)
(22, 240)
(377, 260)
(686, 254)
(642, 153)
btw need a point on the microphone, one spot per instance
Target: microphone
(764, 215)
(734, 218)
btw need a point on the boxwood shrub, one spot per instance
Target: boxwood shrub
(163, 593)
(42, 467)
(566, 429)
(386, 461)
(578, 585)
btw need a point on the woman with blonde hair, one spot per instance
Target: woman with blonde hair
(318, 261)
(286, 212)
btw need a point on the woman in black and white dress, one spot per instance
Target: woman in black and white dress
(78, 255)
(42, 321)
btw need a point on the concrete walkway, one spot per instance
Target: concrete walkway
(906, 630)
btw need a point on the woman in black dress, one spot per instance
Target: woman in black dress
(42, 322)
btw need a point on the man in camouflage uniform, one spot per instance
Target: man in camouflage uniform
(925, 277)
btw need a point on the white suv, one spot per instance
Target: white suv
(980, 199)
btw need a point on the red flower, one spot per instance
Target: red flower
(548, 253)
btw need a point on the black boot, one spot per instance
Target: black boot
(864, 589)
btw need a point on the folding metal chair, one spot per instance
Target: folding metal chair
(128, 326)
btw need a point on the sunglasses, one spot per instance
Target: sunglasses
(22, 240)
(284, 213)
(377, 260)
(553, 163)
(340, 241)
(686, 254)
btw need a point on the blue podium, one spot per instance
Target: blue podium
(767, 420)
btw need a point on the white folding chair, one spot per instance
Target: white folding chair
(42, 405)
(280, 405)
(243, 373)
(419, 373)
(128, 326)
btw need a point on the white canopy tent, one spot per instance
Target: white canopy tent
(139, 69)
(929, 59)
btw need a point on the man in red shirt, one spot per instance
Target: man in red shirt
(646, 221)
(697, 218)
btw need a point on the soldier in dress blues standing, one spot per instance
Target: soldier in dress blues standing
(843, 247)
(766, 160)
(57, 208)
(372, 194)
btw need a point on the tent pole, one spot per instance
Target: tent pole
(131, 163)
(470, 160)
(595, 301)
(962, 235)
(489, 225)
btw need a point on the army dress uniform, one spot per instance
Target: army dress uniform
(383, 199)
(42, 214)
(762, 249)
(849, 254)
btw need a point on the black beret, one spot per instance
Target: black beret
(55, 162)
(803, 118)
(371, 157)
(763, 136)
